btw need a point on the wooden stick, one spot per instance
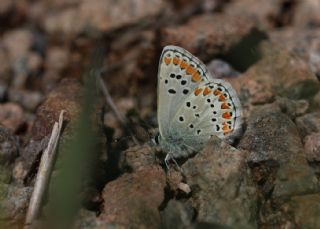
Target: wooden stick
(44, 172)
(114, 109)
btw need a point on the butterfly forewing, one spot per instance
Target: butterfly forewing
(179, 74)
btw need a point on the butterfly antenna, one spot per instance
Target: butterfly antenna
(122, 119)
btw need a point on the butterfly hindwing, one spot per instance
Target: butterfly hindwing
(209, 110)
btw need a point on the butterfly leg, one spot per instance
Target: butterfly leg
(169, 157)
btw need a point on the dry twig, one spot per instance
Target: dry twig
(114, 109)
(44, 172)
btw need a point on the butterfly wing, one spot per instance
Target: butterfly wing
(192, 106)
(177, 78)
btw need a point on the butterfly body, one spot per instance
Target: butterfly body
(192, 105)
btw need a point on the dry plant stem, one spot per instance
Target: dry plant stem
(114, 109)
(43, 175)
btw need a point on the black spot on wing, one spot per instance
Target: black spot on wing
(172, 91)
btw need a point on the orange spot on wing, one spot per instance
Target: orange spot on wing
(206, 91)
(225, 128)
(176, 60)
(183, 64)
(197, 91)
(222, 98)
(167, 60)
(224, 106)
(196, 77)
(216, 92)
(226, 115)
(190, 70)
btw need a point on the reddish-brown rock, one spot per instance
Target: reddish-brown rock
(263, 13)
(101, 15)
(312, 147)
(65, 97)
(133, 199)
(138, 158)
(208, 35)
(11, 116)
(305, 44)
(306, 13)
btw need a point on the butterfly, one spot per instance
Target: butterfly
(192, 105)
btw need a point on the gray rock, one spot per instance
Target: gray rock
(5, 174)
(278, 73)
(316, 100)
(177, 215)
(294, 178)
(270, 135)
(306, 210)
(8, 146)
(292, 108)
(221, 190)
(14, 201)
(221, 69)
(88, 220)
(309, 123)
